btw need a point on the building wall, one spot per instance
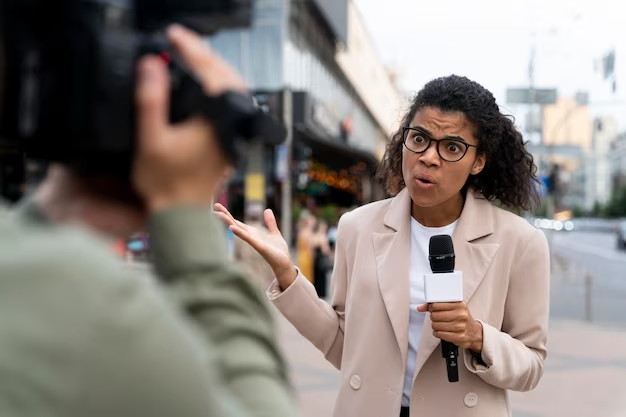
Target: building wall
(310, 65)
(257, 52)
(598, 183)
(275, 53)
(567, 123)
(292, 45)
(617, 159)
(371, 79)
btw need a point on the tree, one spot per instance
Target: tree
(616, 207)
(599, 210)
(577, 211)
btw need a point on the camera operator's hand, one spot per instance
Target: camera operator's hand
(182, 163)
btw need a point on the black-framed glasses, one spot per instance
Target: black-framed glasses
(449, 149)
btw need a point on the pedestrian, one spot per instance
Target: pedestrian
(305, 243)
(322, 261)
(452, 166)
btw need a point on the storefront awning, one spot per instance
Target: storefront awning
(332, 150)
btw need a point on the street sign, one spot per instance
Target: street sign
(534, 122)
(523, 96)
(282, 163)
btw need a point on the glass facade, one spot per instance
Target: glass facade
(309, 65)
(286, 47)
(257, 53)
(306, 73)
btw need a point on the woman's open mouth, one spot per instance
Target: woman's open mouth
(424, 183)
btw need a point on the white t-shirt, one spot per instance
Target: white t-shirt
(418, 266)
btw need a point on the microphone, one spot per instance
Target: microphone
(444, 285)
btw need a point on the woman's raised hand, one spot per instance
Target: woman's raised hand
(269, 244)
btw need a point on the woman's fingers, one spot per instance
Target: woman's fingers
(221, 209)
(250, 238)
(228, 220)
(223, 213)
(270, 220)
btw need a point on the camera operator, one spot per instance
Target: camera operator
(84, 336)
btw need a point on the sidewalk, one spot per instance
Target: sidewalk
(585, 374)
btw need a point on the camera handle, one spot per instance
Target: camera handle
(234, 115)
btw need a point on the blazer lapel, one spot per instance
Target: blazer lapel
(392, 265)
(473, 259)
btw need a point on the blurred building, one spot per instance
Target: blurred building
(374, 82)
(617, 161)
(567, 136)
(568, 122)
(596, 164)
(342, 110)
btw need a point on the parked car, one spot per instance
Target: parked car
(621, 235)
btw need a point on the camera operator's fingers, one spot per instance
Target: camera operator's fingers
(215, 74)
(152, 99)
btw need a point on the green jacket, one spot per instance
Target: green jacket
(82, 335)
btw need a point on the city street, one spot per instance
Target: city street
(582, 254)
(585, 373)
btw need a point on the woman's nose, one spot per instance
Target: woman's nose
(430, 155)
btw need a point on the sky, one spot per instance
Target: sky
(490, 41)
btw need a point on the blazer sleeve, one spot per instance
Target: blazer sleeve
(321, 323)
(513, 357)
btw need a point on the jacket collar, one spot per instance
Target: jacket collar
(476, 221)
(391, 249)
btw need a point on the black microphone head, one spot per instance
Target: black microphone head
(441, 253)
(441, 245)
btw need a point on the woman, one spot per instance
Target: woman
(304, 245)
(322, 261)
(454, 157)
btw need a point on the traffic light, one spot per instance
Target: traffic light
(609, 64)
(553, 180)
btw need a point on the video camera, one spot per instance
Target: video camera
(67, 77)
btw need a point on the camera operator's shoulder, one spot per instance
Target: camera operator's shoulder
(61, 259)
(72, 314)
(71, 280)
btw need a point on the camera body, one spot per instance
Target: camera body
(67, 76)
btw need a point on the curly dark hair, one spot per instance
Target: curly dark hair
(509, 175)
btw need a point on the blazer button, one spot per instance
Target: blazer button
(471, 400)
(355, 382)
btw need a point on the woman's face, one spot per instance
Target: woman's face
(431, 180)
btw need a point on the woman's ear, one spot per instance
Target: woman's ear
(479, 164)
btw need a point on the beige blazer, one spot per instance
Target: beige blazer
(364, 331)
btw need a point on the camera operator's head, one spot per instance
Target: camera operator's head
(173, 164)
